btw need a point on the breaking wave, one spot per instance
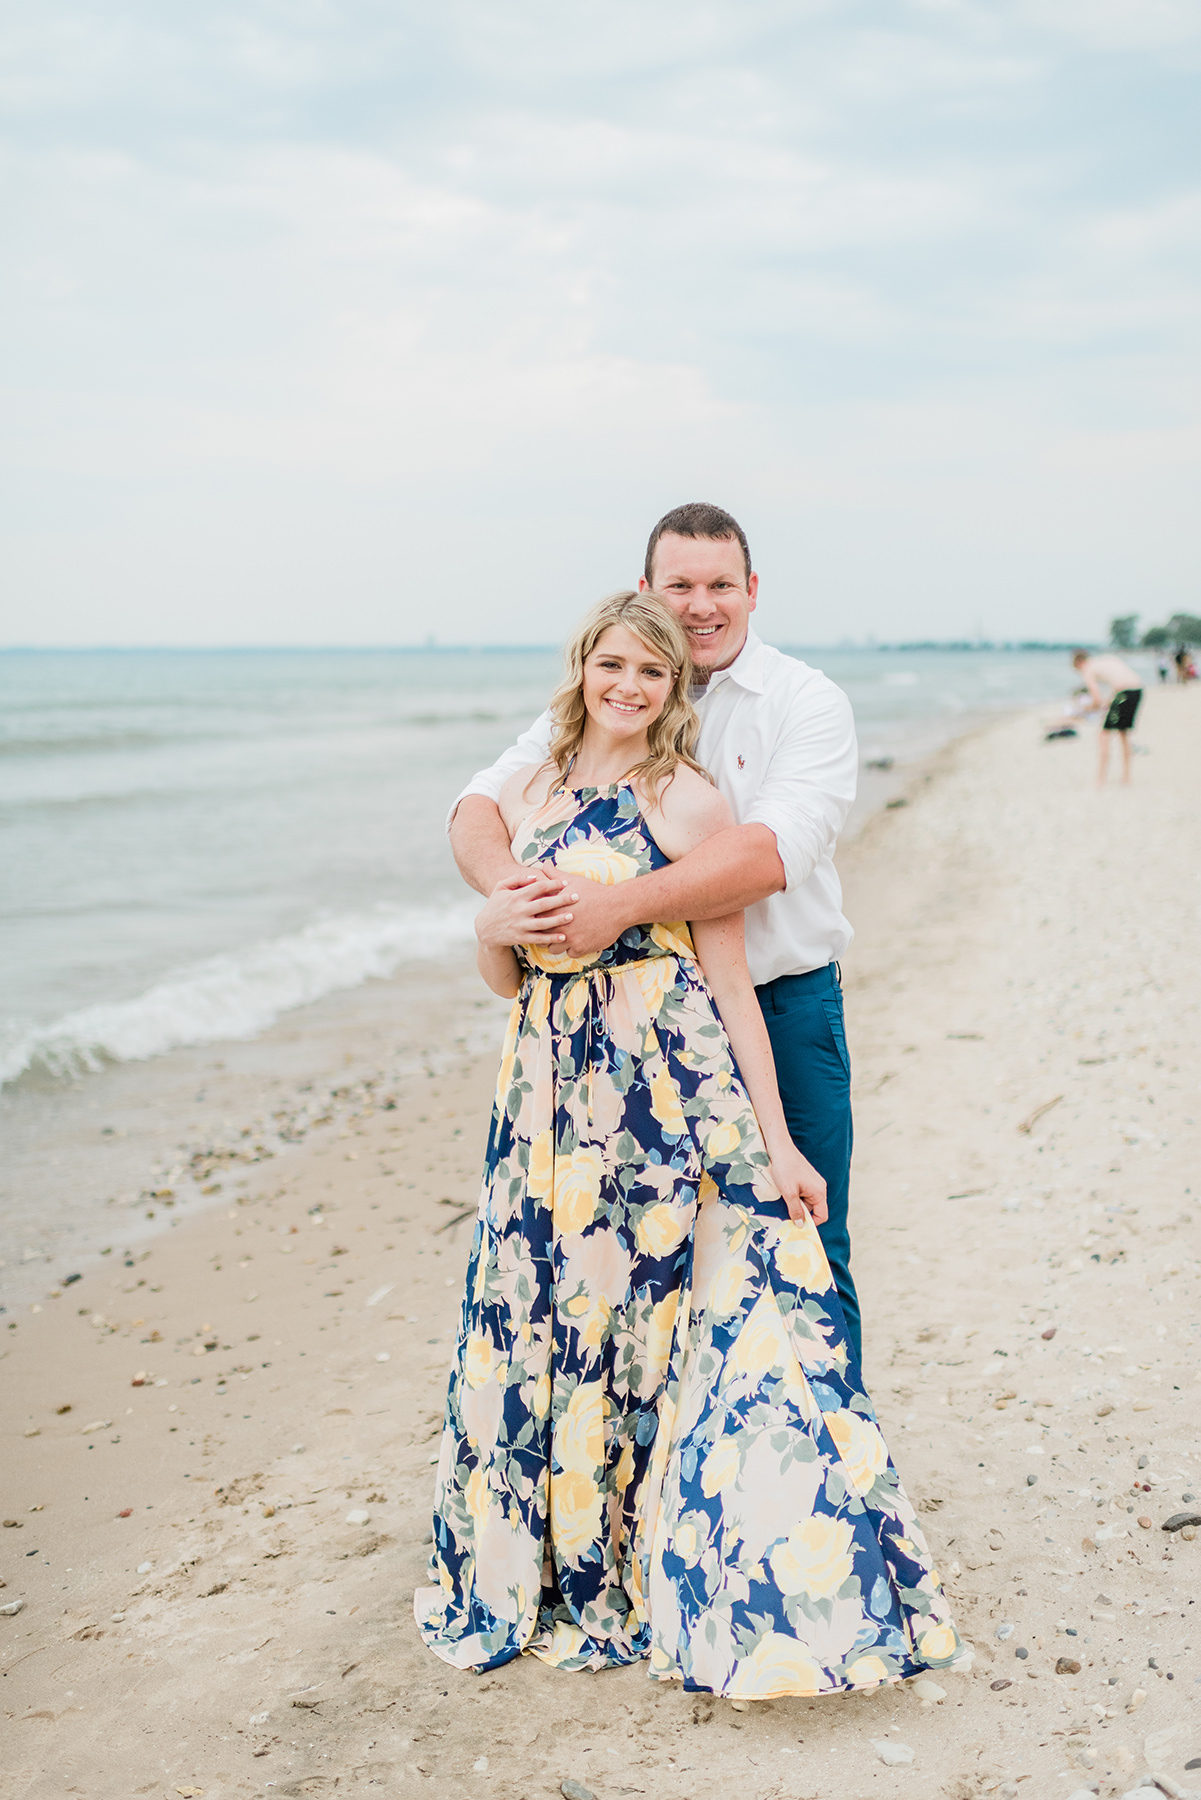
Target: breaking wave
(238, 994)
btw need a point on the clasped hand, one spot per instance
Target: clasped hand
(803, 1189)
(538, 906)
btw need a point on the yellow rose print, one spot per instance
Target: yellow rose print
(675, 939)
(662, 1324)
(762, 1344)
(938, 1645)
(728, 1288)
(721, 1467)
(480, 1361)
(778, 1665)
(575, 999)
(598, 861)
(723, 1138)
(577, 1188)
(579, 1435)
(860, 1446)
(802, 1261)
(656, 979)
(816, 1558)
(478, 1500)
(867, 1672)
(665, 1103)
(662, 1228)
(576, 1503)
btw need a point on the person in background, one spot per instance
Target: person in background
(778, 738)
(1125, 691)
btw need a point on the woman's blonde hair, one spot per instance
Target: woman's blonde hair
(672, 736)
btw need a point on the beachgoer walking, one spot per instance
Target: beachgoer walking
(778, 738)
(1125, 691)
(657, 1440)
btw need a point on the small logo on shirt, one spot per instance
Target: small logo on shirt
(741, 763)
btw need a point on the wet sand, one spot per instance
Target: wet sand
(198, 1613)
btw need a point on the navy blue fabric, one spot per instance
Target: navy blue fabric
(804, 1019)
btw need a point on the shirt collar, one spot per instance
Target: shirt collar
(746, 668)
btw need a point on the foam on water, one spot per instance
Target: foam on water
(238, 995)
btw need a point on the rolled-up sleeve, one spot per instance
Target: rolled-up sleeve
(811, 778)
(531, 747)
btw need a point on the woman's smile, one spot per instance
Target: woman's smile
(626, 685)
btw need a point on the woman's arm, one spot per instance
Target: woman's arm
(495, 957)
(721, 953)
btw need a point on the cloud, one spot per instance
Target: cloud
(312, 310)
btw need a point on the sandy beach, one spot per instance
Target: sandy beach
(217, 1443)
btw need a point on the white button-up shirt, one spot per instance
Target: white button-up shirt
(778, 738)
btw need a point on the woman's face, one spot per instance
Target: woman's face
(626, 685)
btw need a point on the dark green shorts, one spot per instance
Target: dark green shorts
(1122, 709)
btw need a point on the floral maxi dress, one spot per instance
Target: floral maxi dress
(656, 1443)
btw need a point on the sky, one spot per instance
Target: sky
(367, 321)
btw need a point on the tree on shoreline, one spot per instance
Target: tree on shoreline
(1181, 628)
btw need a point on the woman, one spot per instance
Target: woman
(656, 1443)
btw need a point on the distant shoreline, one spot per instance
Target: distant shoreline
(960, 645)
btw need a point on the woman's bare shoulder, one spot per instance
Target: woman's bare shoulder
(687, 810)
(525, 791)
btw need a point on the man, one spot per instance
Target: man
(779, 740)
(1125, 692)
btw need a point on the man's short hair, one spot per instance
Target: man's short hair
(697, 520)
(1078, 657)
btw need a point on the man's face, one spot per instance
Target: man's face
(704, 581)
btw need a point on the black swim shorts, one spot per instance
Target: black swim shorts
(1122, 709)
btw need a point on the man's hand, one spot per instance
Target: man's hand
(598, 916)
(527, 907)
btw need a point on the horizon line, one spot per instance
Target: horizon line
(434, 649)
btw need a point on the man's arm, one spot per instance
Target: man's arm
(728, 872)
(480, 843)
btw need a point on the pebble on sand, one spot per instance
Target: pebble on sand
(927, 1691)
(1136, 1699)
(1066, 1665)
(145, 1568)
(1179, 1520)
(358, 1515)
(11, 1610)
(575, 1790)
(892, 1754)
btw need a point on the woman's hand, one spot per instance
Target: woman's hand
(804, 1190)
(526, 907)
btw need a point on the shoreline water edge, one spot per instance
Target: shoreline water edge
(218, 1441)
(111, 1075)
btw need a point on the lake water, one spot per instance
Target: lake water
(193, 843)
